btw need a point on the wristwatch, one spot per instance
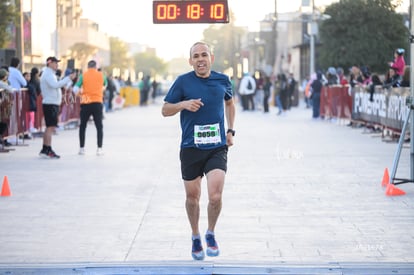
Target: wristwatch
(231, 131)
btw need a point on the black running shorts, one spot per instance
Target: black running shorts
(196, 163)
(51, 114)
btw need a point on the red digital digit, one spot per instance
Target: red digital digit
(193, 11)
(217, 11)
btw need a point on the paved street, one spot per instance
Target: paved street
(300, 196)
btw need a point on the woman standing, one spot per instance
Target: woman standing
(33, 87)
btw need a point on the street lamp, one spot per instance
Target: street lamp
(313, 30)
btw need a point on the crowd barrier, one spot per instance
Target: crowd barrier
(131, 95)
(336, 102)
(387, 109)
(14, 107)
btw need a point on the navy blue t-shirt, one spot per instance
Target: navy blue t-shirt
(203, 129)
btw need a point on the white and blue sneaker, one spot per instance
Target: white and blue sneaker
(212, 246)
(197, 250)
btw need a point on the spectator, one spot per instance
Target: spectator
(333, 80)
(399, 62)
(266, 93)
(303, 88)
(375, 81)
(291, 85)
(247, 88)
(280, 91)
(154, 88)
(332, 77)
(259, 93)
(109, 93)
(33, 88)
(52, 98)
(16, 81)
(117, 84)
(342, 79)
(5, 89)
(366, 75)
(93, 83)
(405, 82)
(4, 84)
(16, 78)
(144, 88)
(316, 87)
(355, 77)
(392, 79)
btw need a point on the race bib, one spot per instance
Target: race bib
(207, 134)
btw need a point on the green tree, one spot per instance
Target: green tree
(8, 16)
(149, 64)
(82, 52)
(225, 40)
(119, 55)
(361, 32)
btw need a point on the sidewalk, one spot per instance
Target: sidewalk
(298, 192)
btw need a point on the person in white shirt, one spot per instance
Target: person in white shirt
(16, 79)
(247, 88)
(52, 98)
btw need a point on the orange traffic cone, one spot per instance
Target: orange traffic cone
(385, 178)
(5, 190)
(393, 191)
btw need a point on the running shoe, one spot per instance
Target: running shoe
(44, 153)
(99, 152)
(52, 155)
(212, 246)
(197, 250)
(81, 151)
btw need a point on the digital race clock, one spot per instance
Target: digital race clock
(202, 11)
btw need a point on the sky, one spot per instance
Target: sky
(131, 21)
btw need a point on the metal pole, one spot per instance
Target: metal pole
(412, 92)
(274, 36)
(57, 28)
(399, 148)
(19, 34)
(312, 41)
(312, 53)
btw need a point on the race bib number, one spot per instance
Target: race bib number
(207, 134)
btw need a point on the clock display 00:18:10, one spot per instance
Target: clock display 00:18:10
(190, 12)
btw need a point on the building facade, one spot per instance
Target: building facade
(56, 28)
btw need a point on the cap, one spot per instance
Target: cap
(3, 73)
(51, 59)
(400, 51)
(331, 70)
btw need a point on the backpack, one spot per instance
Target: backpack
(249, 85)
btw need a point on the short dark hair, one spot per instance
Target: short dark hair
(92, 64)
(14, 62)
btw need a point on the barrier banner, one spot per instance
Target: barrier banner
(388, 107)
(14, 107)
(335, 102)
